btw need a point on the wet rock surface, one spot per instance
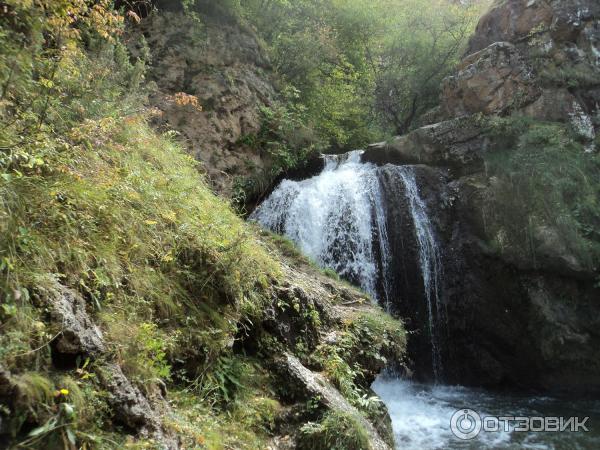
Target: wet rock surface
(526, 317)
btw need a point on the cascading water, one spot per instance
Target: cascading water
(330, 217)
(429, 259)
(338, 218)
(352, 218)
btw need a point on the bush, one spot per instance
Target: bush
(543, 178)
(336, 431)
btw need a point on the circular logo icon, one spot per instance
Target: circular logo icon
(465, 424)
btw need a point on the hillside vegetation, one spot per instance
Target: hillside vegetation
(358, 70)
(124, 278)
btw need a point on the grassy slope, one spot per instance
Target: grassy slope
(93, 199)
(124, 218)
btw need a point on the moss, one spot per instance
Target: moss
(365, 345)
(34, 389)
(336, 431)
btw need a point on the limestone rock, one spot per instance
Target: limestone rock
(132, 408)
(454, 143)
(222, 64)
(510, 21)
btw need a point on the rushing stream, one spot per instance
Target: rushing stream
(421, 416)
(339, 218)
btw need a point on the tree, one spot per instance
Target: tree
(425, 42)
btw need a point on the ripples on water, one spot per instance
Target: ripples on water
(421, 416)
(334, 218)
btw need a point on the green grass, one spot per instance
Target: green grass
(336, 431)
(93, 199)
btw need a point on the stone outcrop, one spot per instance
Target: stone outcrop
(308, 308)
(132, 408)
(222, 64)
(539, 58)
(313, 384)
(79, 335)
(455, 143)
(524, 315)
(494, 80)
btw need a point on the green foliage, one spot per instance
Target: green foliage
(544, 180)
(360, 70)
(223, 380)
(34, 389)
(243, 422)
(312, 48)
(336, 431)
(364, 342)
(284, 140)
(93, 199)
(426, 41)
(142, 349)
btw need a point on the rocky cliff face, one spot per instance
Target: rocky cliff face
(538, 58)
(520, 312)
(223, 66)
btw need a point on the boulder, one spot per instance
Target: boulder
(554, 105)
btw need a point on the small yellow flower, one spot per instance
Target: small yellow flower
(64, 391)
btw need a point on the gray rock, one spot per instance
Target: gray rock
(80, 336)
(491, 81)
(132, 408)
(315, 385)
(455, 143)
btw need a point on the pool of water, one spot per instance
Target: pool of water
(421, 416)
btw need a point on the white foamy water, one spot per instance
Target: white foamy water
(339, 215)
(430, 261)
(421, 415)
(329, 216)
(338, 218)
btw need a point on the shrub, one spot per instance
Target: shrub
(336, 431)
(543, 177)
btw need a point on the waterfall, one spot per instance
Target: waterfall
(339, 219)
(329, 217)
(429, 259)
